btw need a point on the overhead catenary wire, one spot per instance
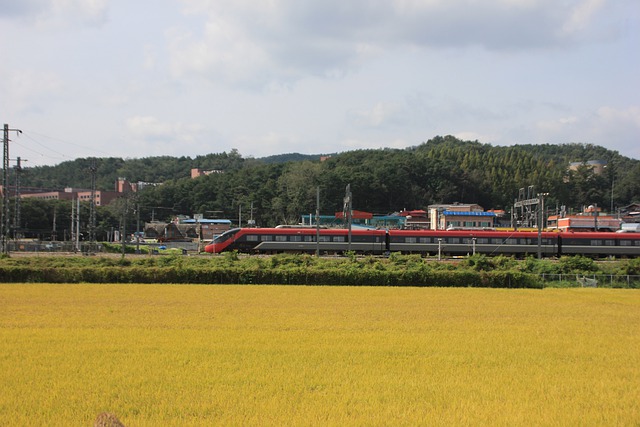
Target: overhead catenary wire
(58, 155)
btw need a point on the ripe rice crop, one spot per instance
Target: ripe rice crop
(292, 355)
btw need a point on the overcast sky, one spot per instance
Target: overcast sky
(139, 78)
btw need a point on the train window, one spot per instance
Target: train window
(338, 238)
(309, 238)
(252, 238)
(281, 238)
(512, 241)
(625, 243)
(609, 242)
(296, 238)
(469, 224)
(266, 238)
(637, 242)
(482, 240)
(325, 238)
(411, 240)
(425, 240)
(596, 243)
(454, 240)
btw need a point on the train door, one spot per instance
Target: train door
(559, 246)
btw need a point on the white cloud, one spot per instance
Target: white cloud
(150, 57)
(605, 120)
(57, 13)
(616, 117)
(619, 128)
(224, 51)
(607, 126)
(558, 125)
(380, 114)
(258, 41)
(25, 89)
(581, 15)
(151, 129)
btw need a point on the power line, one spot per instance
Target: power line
(69, 143)
(58, 155)
(42, 145)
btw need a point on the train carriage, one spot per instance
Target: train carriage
(278, 240)
(601, 244)
(463, 242)
(449, 242)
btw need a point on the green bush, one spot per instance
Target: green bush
(630, 267)
(577, 264)
(479, 262)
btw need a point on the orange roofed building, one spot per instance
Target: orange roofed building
(589, 220)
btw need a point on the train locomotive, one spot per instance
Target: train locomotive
(426, 242)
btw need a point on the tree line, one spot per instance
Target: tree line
(280, 189)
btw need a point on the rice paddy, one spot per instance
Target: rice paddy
(296, 355)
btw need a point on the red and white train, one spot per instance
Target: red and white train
(449, 242)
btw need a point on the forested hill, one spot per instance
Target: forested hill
(441, 170)
(292, 157)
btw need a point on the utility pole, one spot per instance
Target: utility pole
(540, 221)
(53, 231)
(92, 207)
(252, 223)
(16, 213)
(348, 213)
(124, 222)
(318, 222)
(138, 225)
(73, 222)
(77, 242)
(4, 229)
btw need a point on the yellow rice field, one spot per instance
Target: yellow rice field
(294, 355)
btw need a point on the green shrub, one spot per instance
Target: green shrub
(630, 267)
(505, 262)
(479, 262)
(577, 264)
(231, 257)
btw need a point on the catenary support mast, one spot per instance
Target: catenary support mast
(4, 228)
